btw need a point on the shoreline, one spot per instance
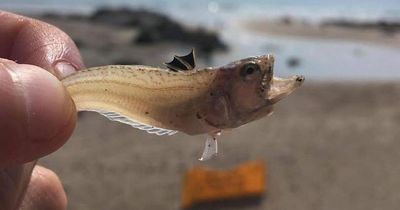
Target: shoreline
(134, 36)
(300, 29)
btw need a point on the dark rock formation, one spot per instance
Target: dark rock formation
(293, 62)
(387, 27)
(154, 27)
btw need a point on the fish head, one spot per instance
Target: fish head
(247, 91)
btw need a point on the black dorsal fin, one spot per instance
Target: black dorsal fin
(188, 60)
(182, 63)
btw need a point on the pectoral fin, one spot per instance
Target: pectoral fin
(182, 63)
(210, 148)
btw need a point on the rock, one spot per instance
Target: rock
(56, 16)
(293, 62)
(388, 27)
(287, 20)
(204, 41)
(154, 28)
(125, 16)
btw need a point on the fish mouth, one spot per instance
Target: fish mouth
(273, 89)
(280, 87)
(268, 75)
(265, 81)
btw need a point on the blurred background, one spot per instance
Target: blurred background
(333, 144)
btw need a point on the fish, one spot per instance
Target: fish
(181, 97)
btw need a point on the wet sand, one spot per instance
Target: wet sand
(328, 146)
(299, 29)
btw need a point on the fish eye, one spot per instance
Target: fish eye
(249, 69)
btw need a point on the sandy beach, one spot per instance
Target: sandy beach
(300, 29)
(327, 146)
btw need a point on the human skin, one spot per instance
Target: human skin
(37, 115)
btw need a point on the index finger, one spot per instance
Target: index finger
(29, 41)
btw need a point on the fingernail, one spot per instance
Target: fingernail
(63, 69)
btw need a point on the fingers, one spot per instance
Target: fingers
(36, 114)
(40, 191)
(44, 192)
(30, 41)
(13, 182)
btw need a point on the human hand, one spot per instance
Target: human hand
(37, 115)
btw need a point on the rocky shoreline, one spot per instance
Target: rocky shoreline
(137, 36)
(370, 32)
(134, 36)
(387, 27)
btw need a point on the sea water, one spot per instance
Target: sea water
(317, 59)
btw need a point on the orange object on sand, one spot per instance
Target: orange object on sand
(206, 185)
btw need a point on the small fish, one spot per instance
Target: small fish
(180, 97)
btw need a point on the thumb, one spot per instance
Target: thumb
(36, 114)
